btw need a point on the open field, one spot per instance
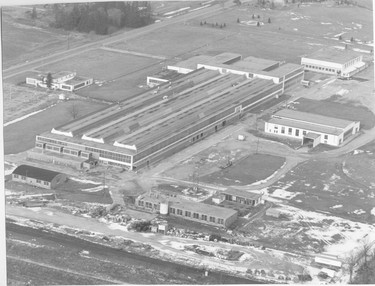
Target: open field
(121, 88)
(100, 64)
(118, 74)
(174, 41)
(300, 26)
(248, 170)
(20, 136)
(25, 39)
(210, 165)
(323, 185)
(337, 110)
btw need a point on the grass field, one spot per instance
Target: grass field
(174, 41)
(246, 171)
(121, 88)
(20, 136)
(337, 110)
(25, 39)
(100, 64)
(119, 74)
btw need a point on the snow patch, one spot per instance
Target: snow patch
(95, 189)
(359, 212)
(336, 207)
(361, 51)
(373, 211)
(325, 23)
(280, 193)
(84, 181)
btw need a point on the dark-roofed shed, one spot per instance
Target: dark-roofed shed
(38, 177)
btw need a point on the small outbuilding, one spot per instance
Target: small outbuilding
(38, 177)
(273, 212)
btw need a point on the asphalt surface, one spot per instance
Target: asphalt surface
(180, 274)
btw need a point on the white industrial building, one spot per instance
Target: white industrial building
(311, 129)
(63, 80)
(340, 62)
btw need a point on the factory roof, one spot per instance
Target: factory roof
(312, 118)
(253, 64)
(201, 208)
(219, 59)
(334, 55)
(284, 69)
(150, 118)
(306, 126)
(166, 74)
(243, 194)
(187, 205)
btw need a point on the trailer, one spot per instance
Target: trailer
(329, 260)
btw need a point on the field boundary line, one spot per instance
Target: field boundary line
(64, 270)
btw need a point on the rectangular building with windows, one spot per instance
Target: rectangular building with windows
(38, 177)
(341, 62)
(248, 198)
(189, 210)
(311, 129)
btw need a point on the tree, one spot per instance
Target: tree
(352, 39)
(238, 20)
(269, 20)
(258, 24)
(253, 17)
(74, 112)
(49, 80)
(340, 37)
(272, 5)
(351, 262)
(34, 14)
(258, 16)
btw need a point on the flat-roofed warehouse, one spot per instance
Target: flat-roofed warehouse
(344, 63)
(311, 128)
(157, 123)
(185, 209)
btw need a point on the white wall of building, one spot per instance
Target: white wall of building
(298, 133)
(180, 70)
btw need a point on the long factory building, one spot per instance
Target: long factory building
(153, 125)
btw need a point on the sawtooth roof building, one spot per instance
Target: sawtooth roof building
(152, 125)
(311, 129)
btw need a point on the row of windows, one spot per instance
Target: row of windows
(296, 131)
(47, 140)
(320, 68)
(38, 181)
(196, 215)
(102, 153)
(148, 205)
(110, 155)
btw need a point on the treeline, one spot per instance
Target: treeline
(102, 18)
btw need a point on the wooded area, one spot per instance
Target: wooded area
(102, 18)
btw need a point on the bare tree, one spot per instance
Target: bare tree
(365, 251)
(74, 111)
(351, 262)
